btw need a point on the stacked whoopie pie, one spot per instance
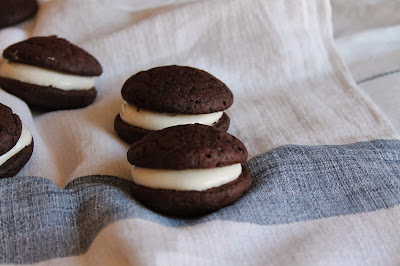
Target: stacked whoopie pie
(50, 73)
(184, 162)
(188, 170)
(16, 143)
(171, 95)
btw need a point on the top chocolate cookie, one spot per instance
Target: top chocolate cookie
(54, 53)
(177, 89)
(15, 11)
(10, 129)
(187, 147)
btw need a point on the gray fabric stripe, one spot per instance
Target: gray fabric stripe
(379, 76)
(39, 221)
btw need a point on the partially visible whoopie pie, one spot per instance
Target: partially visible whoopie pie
(171, 95)
(189, 170)
(50, 73)
(16, 11)
(16, 143)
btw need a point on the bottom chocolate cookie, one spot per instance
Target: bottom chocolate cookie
(193, 203)
(48, 98)
(13, 165)
(130, 134)
(16, 11)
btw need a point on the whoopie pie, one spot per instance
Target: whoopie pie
(16, 143)
(168, 96)
(188, 170)
(50, 73)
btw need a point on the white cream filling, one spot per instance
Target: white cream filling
(45, 77)
(157, 121)
(190, 179)
(24, 140)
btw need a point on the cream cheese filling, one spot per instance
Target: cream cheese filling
(45, 77)
(24, 140)
(156, 121)
(190, 179)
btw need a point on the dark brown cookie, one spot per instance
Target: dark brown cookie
(177, 89)
(193, 203)
(54, 53)
(48, 98)
(10, 129)
(130, 134)
(13, 165)
(16, 11)
(187, 147)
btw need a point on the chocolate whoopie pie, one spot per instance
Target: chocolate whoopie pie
(16, 11)
(189, 170)
(16, 143)
(50, 73)
(171, 95)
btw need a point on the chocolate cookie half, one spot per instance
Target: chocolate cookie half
(171, 95)
(16, 143)
(16, 11)
(50, 73)
(189, 170)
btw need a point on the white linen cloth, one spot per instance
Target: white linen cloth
(290, 87)
(367, 34)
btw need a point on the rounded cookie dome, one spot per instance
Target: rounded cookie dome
(177, 89)
(187, 147)
(54, 53)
